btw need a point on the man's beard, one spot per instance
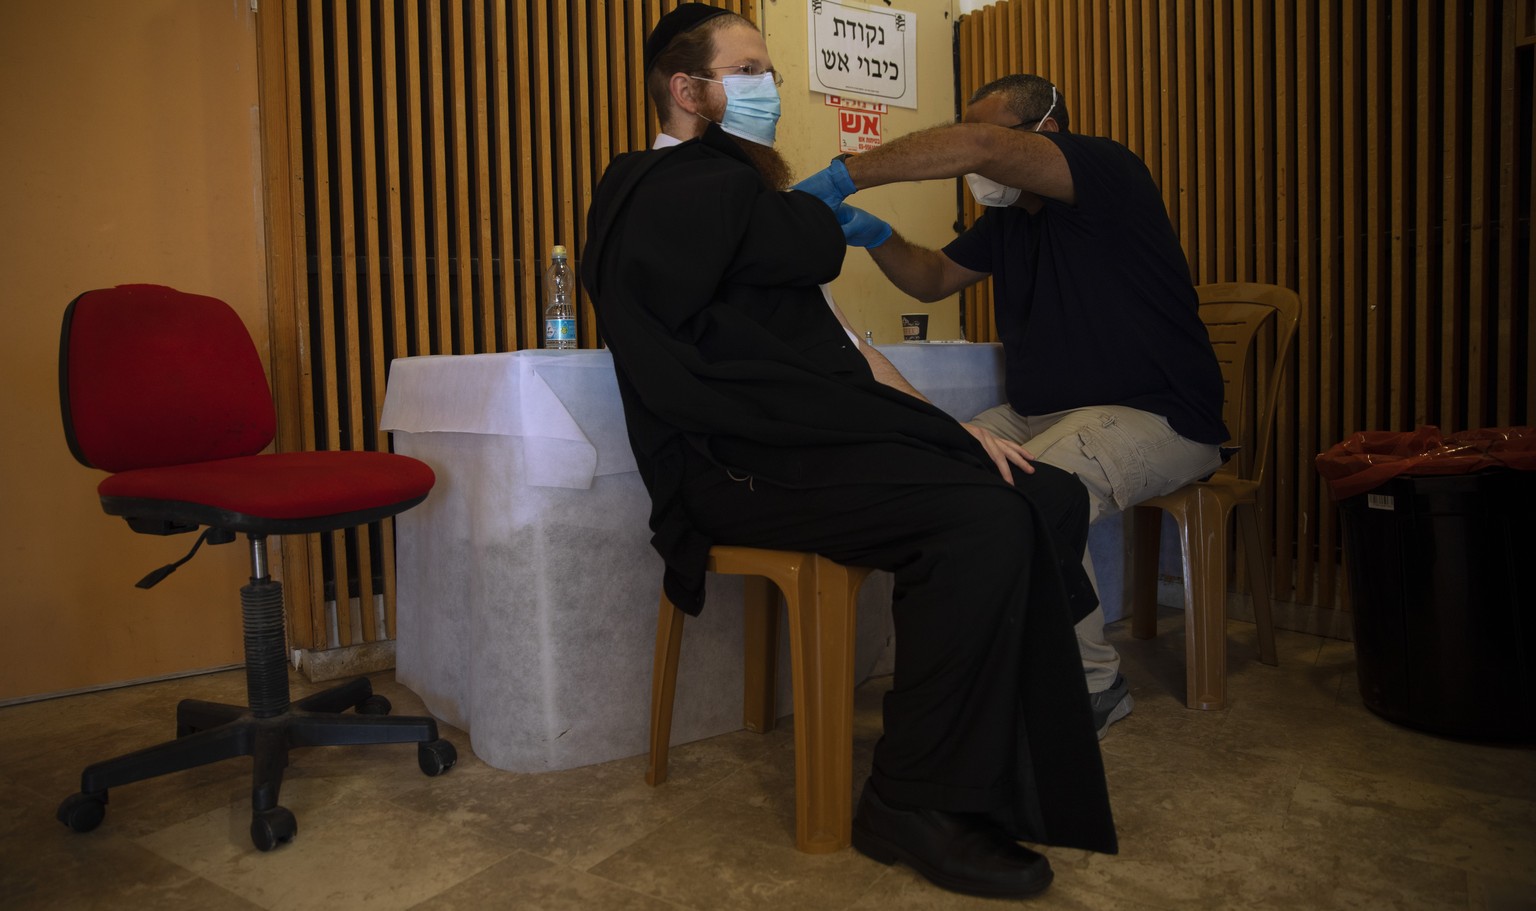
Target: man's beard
(769, 163)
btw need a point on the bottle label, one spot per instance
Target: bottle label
(559, 330)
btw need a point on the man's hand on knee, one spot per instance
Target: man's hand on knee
(1004, 453)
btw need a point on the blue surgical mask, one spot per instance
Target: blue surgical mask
(751, 107)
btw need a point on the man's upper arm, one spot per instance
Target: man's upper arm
(789, 239)
(1033, 162)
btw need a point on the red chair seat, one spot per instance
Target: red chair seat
(275, 493)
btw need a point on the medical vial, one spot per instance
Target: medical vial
(560, 315)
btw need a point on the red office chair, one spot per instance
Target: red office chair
(165, 391)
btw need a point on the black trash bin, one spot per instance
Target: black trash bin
(1442, 572)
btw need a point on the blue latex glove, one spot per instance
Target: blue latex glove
(860, 228)
(831, 184)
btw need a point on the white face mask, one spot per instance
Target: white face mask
(991, 193)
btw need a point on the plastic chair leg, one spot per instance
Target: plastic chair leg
(669, 642)
(1205, 600)
(1258, 580)
(760, 644)
(1146, 545)
(822, 623)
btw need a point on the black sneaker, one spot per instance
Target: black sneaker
(1111, 705)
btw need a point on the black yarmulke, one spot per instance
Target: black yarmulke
(675, 23)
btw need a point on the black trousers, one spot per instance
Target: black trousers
(987, 682)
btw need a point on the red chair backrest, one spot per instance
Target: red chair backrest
(150, 376)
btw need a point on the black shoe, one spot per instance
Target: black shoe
(962, 853)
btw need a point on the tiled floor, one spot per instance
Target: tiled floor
(1294, 797)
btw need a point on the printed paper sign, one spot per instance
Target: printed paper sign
(860, 130)
(863, 51)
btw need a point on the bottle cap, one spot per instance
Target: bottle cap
(558, 251)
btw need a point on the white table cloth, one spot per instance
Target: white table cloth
(961, 378)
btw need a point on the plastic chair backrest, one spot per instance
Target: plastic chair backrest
(1234, 313)
(150, 376)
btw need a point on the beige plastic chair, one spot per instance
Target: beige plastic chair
(1252, 367)
(821, 597)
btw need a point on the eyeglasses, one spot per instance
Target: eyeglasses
(749, 69)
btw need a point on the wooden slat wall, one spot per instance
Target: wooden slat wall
(1375, 155)
(422, 157)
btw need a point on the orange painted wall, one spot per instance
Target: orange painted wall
(128, 153)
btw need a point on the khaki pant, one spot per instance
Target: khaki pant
(1123, 456)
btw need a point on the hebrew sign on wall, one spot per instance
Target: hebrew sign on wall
(863, 51)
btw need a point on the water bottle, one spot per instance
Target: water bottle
(560, 315)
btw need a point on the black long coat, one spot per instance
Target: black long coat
(705, 284)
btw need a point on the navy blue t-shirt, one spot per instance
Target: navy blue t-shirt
(1094, 302)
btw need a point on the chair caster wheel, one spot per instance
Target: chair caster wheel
(436, 757)
(374, 705)
(83, 812)
(270, 828)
